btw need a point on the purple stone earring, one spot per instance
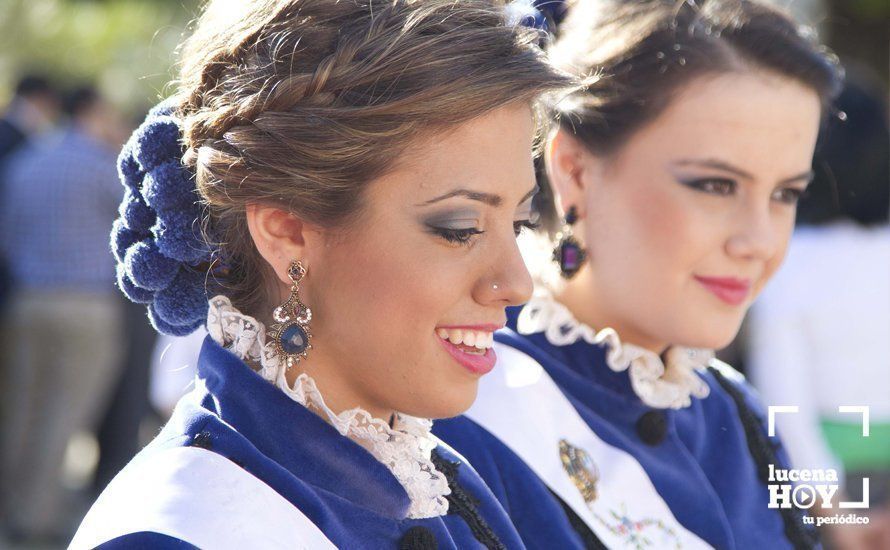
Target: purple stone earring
(290, 333)
(569, 253)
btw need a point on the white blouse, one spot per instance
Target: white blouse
(670, 386)
(405, 447)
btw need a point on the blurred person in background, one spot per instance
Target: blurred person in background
(819, 337)
(118, 434)
(63, 322)
(32, 110)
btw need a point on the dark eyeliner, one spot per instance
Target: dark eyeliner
(459, 236)
(702, 185)
(452, 235)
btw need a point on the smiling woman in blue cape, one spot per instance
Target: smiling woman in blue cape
(335, 191)
(241, 465)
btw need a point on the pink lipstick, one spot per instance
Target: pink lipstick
(729, 289)
(477, 364)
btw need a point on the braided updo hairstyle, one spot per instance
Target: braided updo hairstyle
(299, 104)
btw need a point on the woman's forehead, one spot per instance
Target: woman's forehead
(489, 155)
(740, 118)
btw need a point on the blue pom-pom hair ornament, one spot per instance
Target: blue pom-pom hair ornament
(161, 252)
(544, 15)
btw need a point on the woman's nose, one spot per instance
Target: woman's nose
(757, 234)
(507, 281)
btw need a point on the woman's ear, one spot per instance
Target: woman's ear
(278, 235)
(566, 161)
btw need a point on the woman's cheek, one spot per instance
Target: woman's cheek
(772, 265)
(413, 294)
(664, 223)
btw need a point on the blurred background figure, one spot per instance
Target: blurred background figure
(128, 421)
(819, 335)
(32, 110)
(64, 328)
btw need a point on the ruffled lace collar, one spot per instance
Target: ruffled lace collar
(405, 447)
(657, 385)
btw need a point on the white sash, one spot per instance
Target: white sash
(200, 497)
(522, 406)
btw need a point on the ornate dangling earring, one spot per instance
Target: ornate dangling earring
(569, 253)
(291, 330)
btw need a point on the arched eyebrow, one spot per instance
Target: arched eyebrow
(714, 164)
(727, 167)
(487, 198)
(805, 176)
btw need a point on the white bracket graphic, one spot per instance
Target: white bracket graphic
(861, 409)
(771, 416)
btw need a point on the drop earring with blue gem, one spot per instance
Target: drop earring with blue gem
(569, 253)
(290, 333)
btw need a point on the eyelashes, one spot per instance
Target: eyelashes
(791, 195)
(713, 186)
(726, 187)
(457, 236)
(465, 236)
(522, 225)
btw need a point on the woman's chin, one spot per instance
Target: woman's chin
(713, 337)
(446, 403)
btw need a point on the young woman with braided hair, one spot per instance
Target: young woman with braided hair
(342, 182)
(678, 172)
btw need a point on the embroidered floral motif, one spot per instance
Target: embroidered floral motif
(670, 387)
(639, 534)
(405, 448)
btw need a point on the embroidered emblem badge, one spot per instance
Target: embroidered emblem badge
(581, 469)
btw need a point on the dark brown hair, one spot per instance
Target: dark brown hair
(645, 50)
(301, 103)
(640, 53)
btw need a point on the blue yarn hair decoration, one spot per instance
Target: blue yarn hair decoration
(552, 13)
(544, 15)
(524, 12)
(157, 239)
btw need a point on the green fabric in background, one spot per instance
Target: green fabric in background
(855, 451)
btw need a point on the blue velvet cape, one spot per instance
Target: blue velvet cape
(346, 492)
(698, 457)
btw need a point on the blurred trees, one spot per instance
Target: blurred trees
(124, 46)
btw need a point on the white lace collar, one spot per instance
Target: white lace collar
(670, 387)
(405, 448)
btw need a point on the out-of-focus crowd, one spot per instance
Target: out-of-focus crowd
(74, 354)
